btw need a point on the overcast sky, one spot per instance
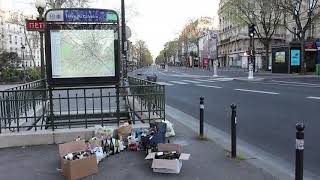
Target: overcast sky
(155, 21)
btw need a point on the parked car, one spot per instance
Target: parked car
(152, 77)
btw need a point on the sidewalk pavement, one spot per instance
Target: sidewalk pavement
(7, 86)
(208, 161)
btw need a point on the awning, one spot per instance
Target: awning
(311, 46)
(318, 53)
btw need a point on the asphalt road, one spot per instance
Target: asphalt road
(267, 111)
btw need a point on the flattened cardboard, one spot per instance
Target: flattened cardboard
(184, 156)
(150, 156)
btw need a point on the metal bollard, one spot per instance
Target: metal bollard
(201, 115)
(233, 131)
(299, 150)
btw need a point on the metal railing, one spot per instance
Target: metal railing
(34, 107)
(150, 96)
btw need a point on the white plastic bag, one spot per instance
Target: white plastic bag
(170, 131)
(99, 153)
(103, 132)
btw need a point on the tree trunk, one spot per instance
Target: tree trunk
(27, 40)
(303, 63)
(266, 47)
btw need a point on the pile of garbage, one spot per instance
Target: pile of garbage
(107, 142)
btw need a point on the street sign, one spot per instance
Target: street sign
(82, 15)
(35, 25)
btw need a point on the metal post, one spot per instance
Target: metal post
(51, 115)
(215, 69)
(124, 38)
(118, 104)
(299, 150)
(233, 131)
(42, 56)
(201, 115)
(250, 75)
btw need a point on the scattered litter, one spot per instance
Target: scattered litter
(103, 132)
(170, 131)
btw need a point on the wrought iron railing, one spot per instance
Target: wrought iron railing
(33, 106)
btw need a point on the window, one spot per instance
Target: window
(15, 40)
(10, 38)
(16, 50)
(21, 40)
(10, 49)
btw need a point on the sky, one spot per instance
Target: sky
(154, 21)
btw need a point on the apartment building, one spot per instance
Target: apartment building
(14, 38)
(312, 43)
(234, 41)
(208, 48)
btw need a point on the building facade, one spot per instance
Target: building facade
(208, 48)
(15, 38)
(234, 42)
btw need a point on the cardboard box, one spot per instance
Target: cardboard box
(77, 168)
(167, 165)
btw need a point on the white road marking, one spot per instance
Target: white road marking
(201, 85)
(313, 97)
(283, 84)
(205, 80)
(164, 83)
(196, 82)
(291, 82)
(178, 82)
(255, 91)
(224, 79)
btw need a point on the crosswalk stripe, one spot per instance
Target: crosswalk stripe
(223, 79)
(201, 85)
(164, 83)
(205, 80)
(313, 97)
(255, 91)
(178, 82)
(196, 82)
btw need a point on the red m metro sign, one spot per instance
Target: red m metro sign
(35, 25)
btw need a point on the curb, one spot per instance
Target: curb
(257, 157)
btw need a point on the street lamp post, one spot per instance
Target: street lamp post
(124, 39)
(40, 5)
(23, 66)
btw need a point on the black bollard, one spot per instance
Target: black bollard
(299, 150)
(201, 115)
(233, 131)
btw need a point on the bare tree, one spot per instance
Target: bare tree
(67, 3)
(195, 30)
(265, 14)
(143, 52)
(300, 14)
(20, 20)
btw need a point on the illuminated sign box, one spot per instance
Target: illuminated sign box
(35, 25)
(82, 47)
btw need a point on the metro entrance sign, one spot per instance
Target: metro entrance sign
(82, 15)
(35, 25)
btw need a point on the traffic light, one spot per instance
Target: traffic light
(252, 30)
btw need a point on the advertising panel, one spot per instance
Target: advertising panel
(295, 57)
(280, 57)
